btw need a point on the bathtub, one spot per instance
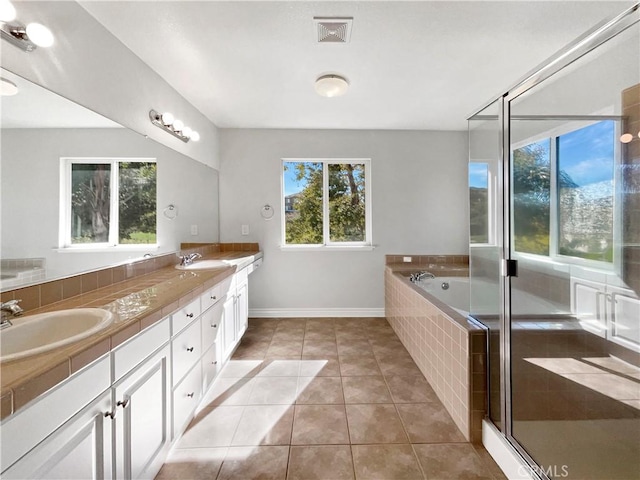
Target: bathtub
(454, 291)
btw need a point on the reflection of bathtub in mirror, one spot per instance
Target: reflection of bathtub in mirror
(32, 147)
(20, 271)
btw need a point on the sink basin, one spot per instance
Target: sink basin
(204, 265)
(46, 331)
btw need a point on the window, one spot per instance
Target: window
(108, 202)
(563, 196)
(479, 206)
(326, 202)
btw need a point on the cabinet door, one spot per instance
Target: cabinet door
(588, 305)
(229, 322)
(242, 306)
(624, 317)
(142, 418)
(80, 449)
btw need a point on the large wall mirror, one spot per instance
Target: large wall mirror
(40, 131)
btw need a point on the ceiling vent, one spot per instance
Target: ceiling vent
(333, 30)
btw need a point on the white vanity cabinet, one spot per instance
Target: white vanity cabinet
(235, 318)
(141, 417)
(79, 450)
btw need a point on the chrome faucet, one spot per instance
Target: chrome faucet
(416, 277)
(9, 310)
(188, 259)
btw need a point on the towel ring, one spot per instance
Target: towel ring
(171, 211)
(266, 212)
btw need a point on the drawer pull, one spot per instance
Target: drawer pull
(215, 325)
(214, 363)
(214, 297)
(111, 415)
(190, 315)
(190, 395)
(190, 349)
(123, 403)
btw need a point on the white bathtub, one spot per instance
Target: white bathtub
(455, 292)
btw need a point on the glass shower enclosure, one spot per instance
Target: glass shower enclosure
(554, 185)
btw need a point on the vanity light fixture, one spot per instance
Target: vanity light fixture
(167, 122)
(331, 85)
(26, 38)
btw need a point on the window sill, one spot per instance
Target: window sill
(108, 249)
(327, 248)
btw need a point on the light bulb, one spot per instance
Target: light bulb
(167, 118)
(178, 125)
(7, 11)
(195, 136)
(626, 137)
(638, 133)
(186, 131)
(40, 35)
(7, 88)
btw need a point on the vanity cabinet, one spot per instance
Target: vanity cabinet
(117, 417)
(141, 417)
(78, 450)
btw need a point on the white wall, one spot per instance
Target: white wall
(31, 192)
(419, 195)
(88, 65)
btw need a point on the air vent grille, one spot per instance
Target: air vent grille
(333, 30)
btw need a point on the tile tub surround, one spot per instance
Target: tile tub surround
(136, 303)
(313, 415)
(449, 350)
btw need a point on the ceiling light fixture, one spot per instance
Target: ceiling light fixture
(26, 38)
(167, 122)
(7, 88)
(331, 85)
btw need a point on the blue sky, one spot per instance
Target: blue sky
(290, 183)
(586, 155)
(478, 175)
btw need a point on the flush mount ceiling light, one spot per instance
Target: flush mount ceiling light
(331, 85)
(7, 88)
(167, 122)
(26, 38)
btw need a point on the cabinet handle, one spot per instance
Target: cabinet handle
(190, 349)
(111, 415)
(190, 395)
(214, 298)
(214, 363)
(123, 403)
(215, 325)
(190, 315)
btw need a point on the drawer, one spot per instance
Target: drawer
(210, 322)
(187, 349)
(135, 350)
(185, 316)
(211, 297)
(257, 264)
(186, 397)
(211, 365)
(24, 430)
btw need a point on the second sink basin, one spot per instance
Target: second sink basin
(204, 265)
(46, 331)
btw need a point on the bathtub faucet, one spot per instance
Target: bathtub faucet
(416, 277)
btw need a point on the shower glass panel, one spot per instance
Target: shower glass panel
(574, 207)
(485, 208)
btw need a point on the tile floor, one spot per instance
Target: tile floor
(306, 399)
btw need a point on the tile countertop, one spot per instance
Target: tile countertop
(136, 304)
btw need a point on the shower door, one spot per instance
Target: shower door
(572, 240)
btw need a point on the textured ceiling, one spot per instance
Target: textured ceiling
(411, 65)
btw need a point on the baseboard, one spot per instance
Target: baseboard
(314, 312)
(507, 458)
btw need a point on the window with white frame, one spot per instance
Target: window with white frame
(108, 202)
(326, 202)
(563, 194)
(481, 203)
